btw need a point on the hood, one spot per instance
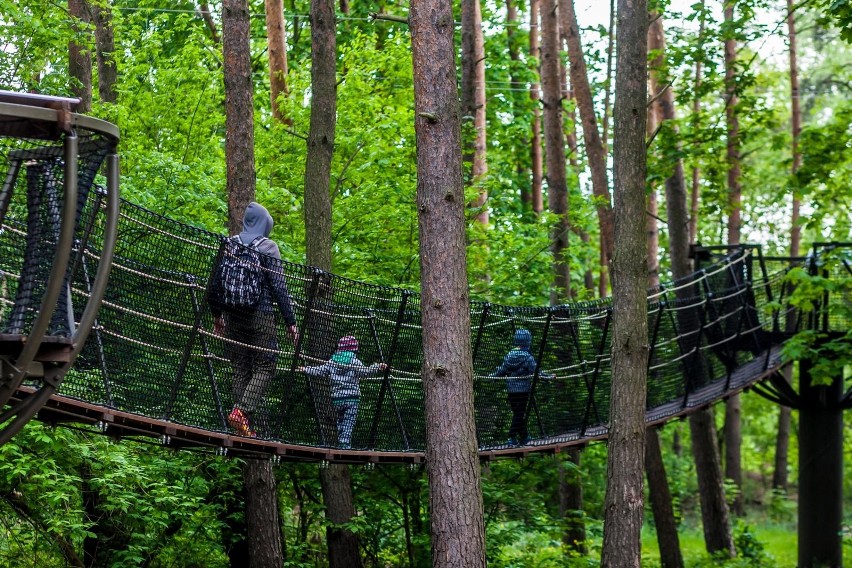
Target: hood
(257, 222)
(515, 359)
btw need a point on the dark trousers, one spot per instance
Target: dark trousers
(253, 355)
(518, 404)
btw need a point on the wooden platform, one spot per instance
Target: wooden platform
(53, 349)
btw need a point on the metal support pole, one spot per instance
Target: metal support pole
(590, 387)
(400, 315)
(187, 350)
(531, 400)
(386, 377)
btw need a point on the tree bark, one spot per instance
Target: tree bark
(535, 142)
(571, 504)
(473, 99)
(516, 85)
(80, 56)
(458, 530)
(591, 136)
(624, 503)
(554, 148)
(321, 134)
(105, 41)
(711, 491)
(661, 502)
(276, 37)
(336, 484)
(733, 406)
(265, 540)
(695, 191)
(658, 485)
(239, 110)
(782, 441)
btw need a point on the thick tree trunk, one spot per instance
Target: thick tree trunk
(733, 406)
(239, 110)
(782, 441)
(535, 143)
(554, 148)
(277, 41)
(473, 99)
(105, 41)
(80, 57)
(591, 136)
(624, 503)
(262, 524)
(458, 530)
(695, 191)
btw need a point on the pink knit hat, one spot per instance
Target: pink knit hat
(347, 343)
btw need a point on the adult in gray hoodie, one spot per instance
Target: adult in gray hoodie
(344, 370)
(519, 366)
(253, 340)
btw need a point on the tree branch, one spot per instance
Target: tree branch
(380, 16)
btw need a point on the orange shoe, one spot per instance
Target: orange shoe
(239, 422)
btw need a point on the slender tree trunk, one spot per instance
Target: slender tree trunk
(571, 503)
(610, 43)
(591, 136)
(554, 147)
(277, 41)
(658, 485)
(473, 98)
(335, 479)
(458, 529)
(695, 191)
(516, 85)
(733, 406)
(239, 110)
(535, 142)
(105, 41)
(321, 134)
(661, 502)
(782, 442)
(80, 56)
(624, 503)
(261, 508)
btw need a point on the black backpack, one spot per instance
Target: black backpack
(240, 277)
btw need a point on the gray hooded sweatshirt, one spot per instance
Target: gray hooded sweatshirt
(257, 222)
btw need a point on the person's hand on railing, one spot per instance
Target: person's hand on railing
(293, 332)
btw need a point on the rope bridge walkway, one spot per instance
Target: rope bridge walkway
(155, 365)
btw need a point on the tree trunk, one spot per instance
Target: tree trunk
(264, 529)
(535, 142)
(571, 503)
(458, 530)
(782, 442)
(321, 135)
(336, 480)
(661, 502)
(711, 491)
(554, 148)
(516, 85)
(610, 43)
(624, 503)
(592, 138)
(80, 57)
(733, 406)
(261, 507)
(336, 484)
(695, 192)
(277, 41)
(658, 485)
(473, 99)
(105, 41)
(239, 110)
